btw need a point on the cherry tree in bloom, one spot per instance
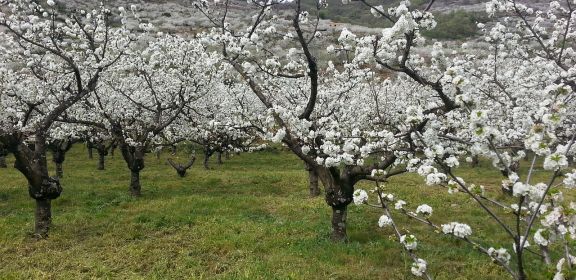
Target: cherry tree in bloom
(49, 62)
(509, 103)
(220, 121)
(60, 139)
(103, 143)
(147, 90)
(334, 117)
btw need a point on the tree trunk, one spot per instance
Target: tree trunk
(112, 148)
(58, 157)
(339, 224)
(135, 188)
(206, 163)
(134, 158)
(59, 170)
(90, 154)
(31, 161)
(3, 162)
(313, 181)
(313, 178)
(207, 155)
(102, 153)
(475, 161)
(339, 187)
(43, 218)
(100, 161)
(219, 158)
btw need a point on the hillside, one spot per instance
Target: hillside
(456, 18)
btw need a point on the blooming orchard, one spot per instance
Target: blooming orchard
(372, 108)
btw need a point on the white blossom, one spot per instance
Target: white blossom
(419, 267)
(424, 210)
(360, 196)
(409, 241)
(384, 220)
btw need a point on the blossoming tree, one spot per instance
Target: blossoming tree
(510, 103)
(147, 90)
(321, 112)
(49, 62)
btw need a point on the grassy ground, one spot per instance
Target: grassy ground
(247, 219)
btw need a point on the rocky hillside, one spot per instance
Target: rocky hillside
(457, 18)
(479, 5)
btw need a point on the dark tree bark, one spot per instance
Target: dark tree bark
(59, 149)
(113, 148)
(339, 223)
(182, 168)
(101, 159)
(89, 146)
(3, 162)
(219, 158)
(59, 170)
(339, 187)
(135, 188)
(102, 150)
(31, 161)
(207, 154)
(43, 217)
(3, 155)
(134, 158)
(475, 161)
(313, 181)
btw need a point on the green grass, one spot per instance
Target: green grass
(250, 218)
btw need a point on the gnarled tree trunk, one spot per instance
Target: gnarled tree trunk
(313, 181)
(59, 149)
(135, 188)
(339, 214)
(58, 158)
(43, 217)
(3, 154)
(219, 158)
(339, 187)
(134, 158)
(89, 146)
(101, 159)
(3, 161)
(31, 162)
(475, 161)
(207, 154)
(59, 170)
(102, 150)
(182, 168)
(113, 148)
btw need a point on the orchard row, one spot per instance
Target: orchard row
(371, 107)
